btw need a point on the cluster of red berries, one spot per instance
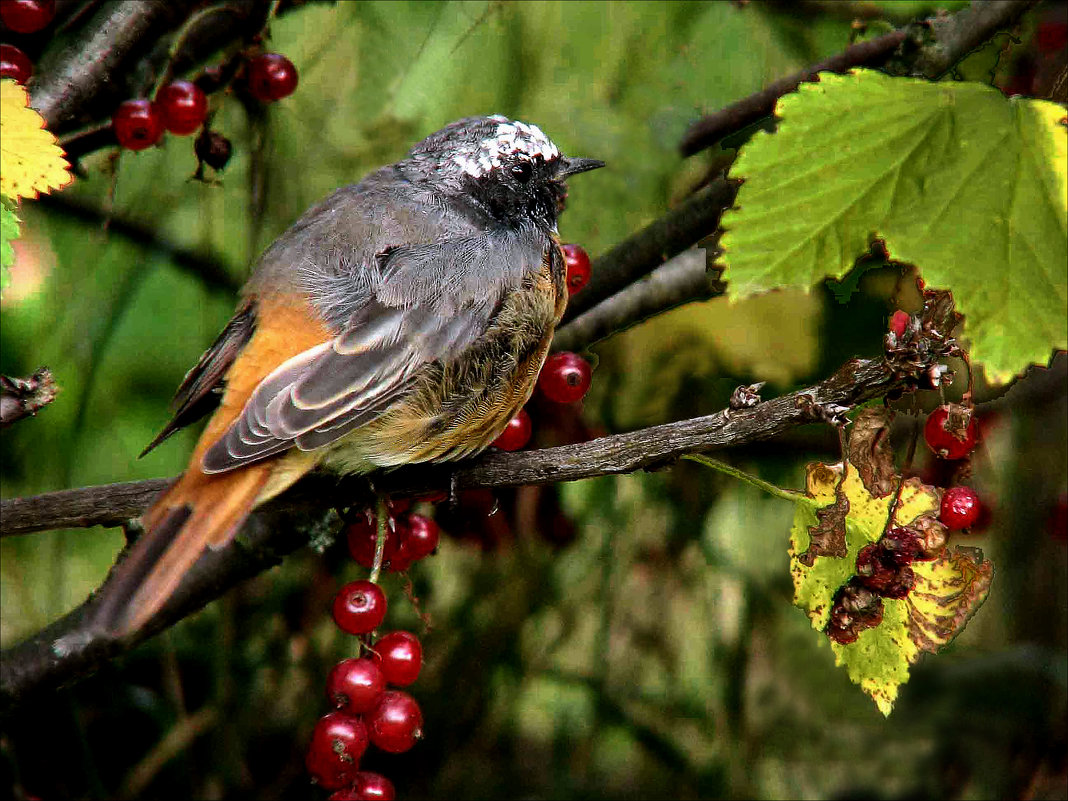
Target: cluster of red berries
(407, 540)
(883, 568)
(565, 377)
(22, 16)
(181, 106)
(952, 432)
(365, 711)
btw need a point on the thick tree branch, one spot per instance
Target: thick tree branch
(957, 36)
(118, 34)
(68, 649)
(71, 647)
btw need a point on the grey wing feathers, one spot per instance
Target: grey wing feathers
(426, 303)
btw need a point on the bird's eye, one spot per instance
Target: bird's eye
(522, 171)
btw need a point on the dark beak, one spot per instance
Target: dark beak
(574, 166)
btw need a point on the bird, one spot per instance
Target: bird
(402, 319)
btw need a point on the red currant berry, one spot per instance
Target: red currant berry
(565, 378)
(373, 787)
(947, 442)
(899, 321)
(15, 64)
(396, 723)
(355, 684)
(360, 607)
(362, 537)
(578, 267)
(961, 508)
(400, 656)
(516, 434)
(337, 744)
(271, 76)
(184, 107)
(137, 124)
(421, 536)
(27, 16)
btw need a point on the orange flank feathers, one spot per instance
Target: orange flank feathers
(202, 511)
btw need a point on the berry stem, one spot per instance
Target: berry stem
(382, 518)
(759, 483)
(167, 75)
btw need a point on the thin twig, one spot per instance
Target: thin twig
(638, 255)
(928, 49)
(683, 279)
(24, 397)
(214, 275)
(742, 113)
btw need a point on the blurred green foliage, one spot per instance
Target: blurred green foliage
(656, 654)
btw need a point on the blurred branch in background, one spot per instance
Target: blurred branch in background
(954, 37)
(710, 129)
(927, 49)
(211, 273)
(638, 255)
(684, 278)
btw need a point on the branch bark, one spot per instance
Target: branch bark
(118, 34)
(928, 49)
(957, 36)
(742, 113)
(634, 257)
(683, 279)
(71, 648)
(68, 649)
(24, 397)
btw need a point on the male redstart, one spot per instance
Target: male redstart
(403, 319)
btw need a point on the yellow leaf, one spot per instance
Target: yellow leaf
(30, 160)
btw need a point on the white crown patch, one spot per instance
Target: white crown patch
(512, 138)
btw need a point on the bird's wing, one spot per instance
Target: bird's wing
(418, 304)
(199, 391)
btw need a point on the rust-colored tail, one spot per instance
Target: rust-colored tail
(196, 513)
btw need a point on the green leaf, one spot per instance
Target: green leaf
(9, 230)
(969, 186)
